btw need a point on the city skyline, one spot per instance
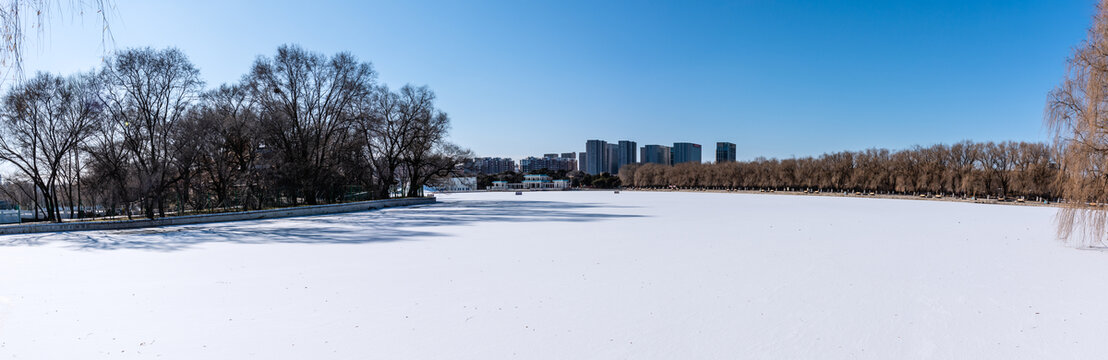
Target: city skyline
(613, 155)
(626, 152)
(969, 70)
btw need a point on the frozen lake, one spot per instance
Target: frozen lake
(568, 275)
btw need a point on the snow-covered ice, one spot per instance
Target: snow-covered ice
(568, 275)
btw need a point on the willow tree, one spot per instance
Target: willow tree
(1077, 113)
(18, 17)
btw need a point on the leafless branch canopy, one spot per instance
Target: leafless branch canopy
(142, 135)
(1077, 114)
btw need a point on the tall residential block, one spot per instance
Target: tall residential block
(597, 155)
(613, 159)
(686, 152)
(725, 152)
(582, 161)
(657, 154)
(627, 152)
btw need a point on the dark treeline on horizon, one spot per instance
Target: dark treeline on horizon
(966, 168)
(142, 134)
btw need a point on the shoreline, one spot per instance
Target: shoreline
(327, 209)
(988, 201)
(992, 201)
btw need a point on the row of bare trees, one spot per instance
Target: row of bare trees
(142, 134)
(962, 169)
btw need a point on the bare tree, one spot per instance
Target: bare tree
(188, 149)
(627, 174)
(426, 154)
(111, 169)
(44, 122)
(387, 132)
(228, 142)
(148, 92)
(307, 103)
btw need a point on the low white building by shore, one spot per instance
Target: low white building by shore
(531, 182)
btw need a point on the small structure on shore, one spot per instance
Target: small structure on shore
(531, 182)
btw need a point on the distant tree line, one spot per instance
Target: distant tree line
(600, 181)
(142, 134)
(962, 169)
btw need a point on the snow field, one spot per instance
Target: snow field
(556, 275)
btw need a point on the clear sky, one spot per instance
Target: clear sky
(779, 78)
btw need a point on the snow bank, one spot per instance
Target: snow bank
(557, 275)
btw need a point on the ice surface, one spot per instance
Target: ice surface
(567, 275)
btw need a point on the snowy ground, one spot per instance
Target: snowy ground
(567, 275)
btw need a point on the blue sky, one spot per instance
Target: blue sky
(779, 78)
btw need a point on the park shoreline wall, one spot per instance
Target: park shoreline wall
(214, 218)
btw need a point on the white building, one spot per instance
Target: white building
(532, 182)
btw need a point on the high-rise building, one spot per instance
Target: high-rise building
(549, 155)
(582, 161)
(597, 157)
(685, 152)
(570, 155)
(725, 152)
(657, 154)
(613, 159)
(627, 152)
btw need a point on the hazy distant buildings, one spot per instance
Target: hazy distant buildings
(725, 152)
(628, 153)
(491, 165)
(597, 156)
(552, 163)
(657, 154)
(531, 163)
(686, 152)
(570, 155)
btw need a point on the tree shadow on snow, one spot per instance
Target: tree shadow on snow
(397, 224)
